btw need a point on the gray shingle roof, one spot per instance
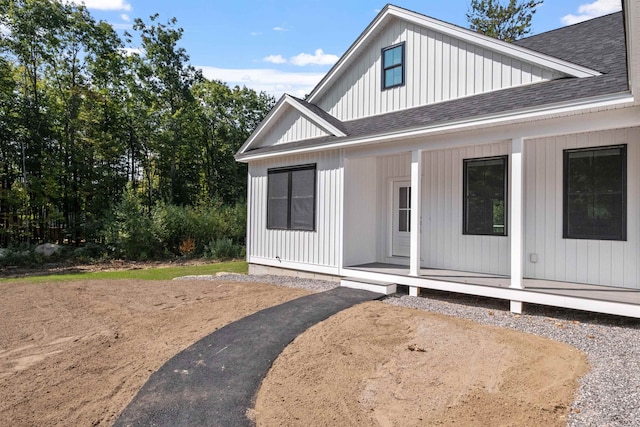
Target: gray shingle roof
(597, 44)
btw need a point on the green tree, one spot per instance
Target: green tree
(508, 23)
(228, 116)
(165, 74)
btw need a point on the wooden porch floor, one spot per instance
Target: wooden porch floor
(548, 287)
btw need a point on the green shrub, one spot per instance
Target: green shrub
(22, 255)
(223, 249)
(131, 233)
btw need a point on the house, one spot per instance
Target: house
(434, 157)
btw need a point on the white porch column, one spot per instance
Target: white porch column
(516, 217)
(416, 212)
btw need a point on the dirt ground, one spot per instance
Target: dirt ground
(381, 365)
(76, 353)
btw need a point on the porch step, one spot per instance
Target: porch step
(384, 288)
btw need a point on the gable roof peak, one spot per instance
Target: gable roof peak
(390, 12)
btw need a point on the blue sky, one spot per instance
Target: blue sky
(287, 46)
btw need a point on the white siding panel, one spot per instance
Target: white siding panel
(319, 247)
(292, 127)
(609, 263)
(438, 68)
(443, 244)
(361, 215)
(442, 217)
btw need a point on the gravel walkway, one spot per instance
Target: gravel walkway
(609, 395)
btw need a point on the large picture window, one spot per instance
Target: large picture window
(393, 66)
(595, 193)
(485, 202)
(291, 198)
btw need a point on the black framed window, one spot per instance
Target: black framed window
(485, 196)
(291, 198)
(595, 193)
(393, 66)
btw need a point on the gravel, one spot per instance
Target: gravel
(609, 395)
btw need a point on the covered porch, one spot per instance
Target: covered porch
(530, 262)
(578, 296)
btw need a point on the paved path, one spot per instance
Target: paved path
(213, 382)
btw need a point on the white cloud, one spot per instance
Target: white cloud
(128, 51)
(275, 59)
(279, 29)
(102, 4)
(255, 33)
(274, 82)
(125, 17)
(318, 58)
(592, 10)
(119, 26)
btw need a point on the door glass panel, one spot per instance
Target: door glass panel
(404, 209)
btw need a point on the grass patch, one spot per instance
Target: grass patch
(159, 273)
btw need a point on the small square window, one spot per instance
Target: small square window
(393, 66)
(485, 196)
(595, 193)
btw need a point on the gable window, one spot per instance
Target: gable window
(485, 191)
(291, 198)
(393, 66)
(595, 193)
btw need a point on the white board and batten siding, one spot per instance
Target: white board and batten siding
(368, 230)
(604, 262)
(443, 243)
(291, 127)
(438, 68)
(362, 215)
(306, 250)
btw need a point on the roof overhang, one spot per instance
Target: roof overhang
(278, 110)
(524, 115)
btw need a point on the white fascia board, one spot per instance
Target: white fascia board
(469, 36)
(462, 125)
(273, 114)
(279, 109)
(328, 127)
(350, 53)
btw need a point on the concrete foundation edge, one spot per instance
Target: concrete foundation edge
(262, 270)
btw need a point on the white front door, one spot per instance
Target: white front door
(401, 221)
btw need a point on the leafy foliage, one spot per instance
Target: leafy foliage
(508, 23)
(101, 145)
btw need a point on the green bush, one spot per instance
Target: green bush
(136, 234)
(22, 255)
(223, 249)
(131, 233)
(202, 224)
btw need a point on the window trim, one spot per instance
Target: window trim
(384, 69)
(565, 194)
(465, 162)
(289, 170)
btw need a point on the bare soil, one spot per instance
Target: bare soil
(76, 353)
(381, 365)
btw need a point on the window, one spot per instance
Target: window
(393, 66)
(291, 198)
(485, 190)
(404, 209)
(595, 193)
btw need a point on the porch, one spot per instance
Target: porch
(578, 296)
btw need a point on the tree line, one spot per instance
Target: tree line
(87, 123)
